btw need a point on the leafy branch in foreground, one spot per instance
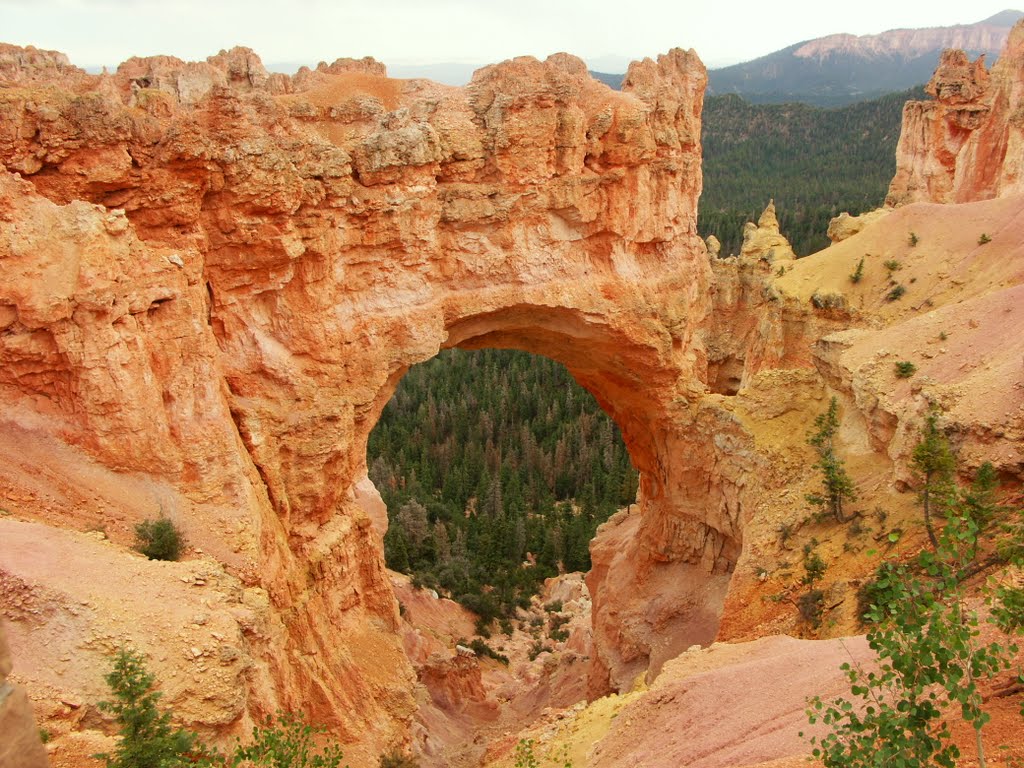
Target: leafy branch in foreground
(930, 654)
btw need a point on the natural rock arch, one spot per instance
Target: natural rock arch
(260, 258)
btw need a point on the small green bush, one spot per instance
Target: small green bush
(984, 239)
(895, 293)
(811, 606)
(159, 539)
(892, 265)
(858, 273)
(914, 239)
(905, 369)
(483, 649)
(148, 739)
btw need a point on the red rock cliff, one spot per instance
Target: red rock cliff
(213, 278)
(968, 143)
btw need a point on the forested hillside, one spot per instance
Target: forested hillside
(497, 469)
(814, 162)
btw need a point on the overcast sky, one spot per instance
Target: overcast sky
(606, 34)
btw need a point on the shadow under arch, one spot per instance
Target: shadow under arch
(671, 556)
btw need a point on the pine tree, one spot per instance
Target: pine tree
(837, 486)
(932, 462)
(148, 739)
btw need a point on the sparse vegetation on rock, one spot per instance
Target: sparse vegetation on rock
(904, 369)
(837, 487)
(931, 656)
(858, 273)
(159, 539)
(896, 293)
(149, 739)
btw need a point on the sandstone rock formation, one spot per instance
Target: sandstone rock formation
(764, 241)
(213, 280)
(844, 225)
(20, 746)
(968, 143)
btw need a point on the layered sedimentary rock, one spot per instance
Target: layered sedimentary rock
(968, 143)
(213, 278)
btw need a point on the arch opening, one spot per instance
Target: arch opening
(659, 577)
(496, 468)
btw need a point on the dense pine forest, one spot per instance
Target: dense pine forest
(814, 162)
(496, 468)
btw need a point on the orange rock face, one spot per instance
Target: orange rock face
(213, 278)
(20, 747)
(968, 143)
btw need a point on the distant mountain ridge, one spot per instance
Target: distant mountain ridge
(841, 69)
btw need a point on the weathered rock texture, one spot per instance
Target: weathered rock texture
(764, 240)
(212, 278)
(20, 746)
(967, 144)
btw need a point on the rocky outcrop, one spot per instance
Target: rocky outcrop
(214, 279)
(763, 241)
(20, 746)
(844, 225)
(967, 144)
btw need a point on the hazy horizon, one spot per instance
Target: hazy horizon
(408, 35)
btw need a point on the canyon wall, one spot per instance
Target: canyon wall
(212, 279)
(968, 143)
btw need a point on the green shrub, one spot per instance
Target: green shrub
(483, 649)
(858, 273)
(905, 369)
(159, 539)
(895, 293)
(914, 239)
(811, 605)
(287, 743)
(149, 740)
(892, 265)
(984, 239)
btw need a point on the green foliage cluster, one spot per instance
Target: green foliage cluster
(858, 273)
(815, 163)
(490, 459)
(148, 739)
(931, 657)
(904, 369)
(836, 485)
(159, 539)
(481, 648)
(896, 293)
